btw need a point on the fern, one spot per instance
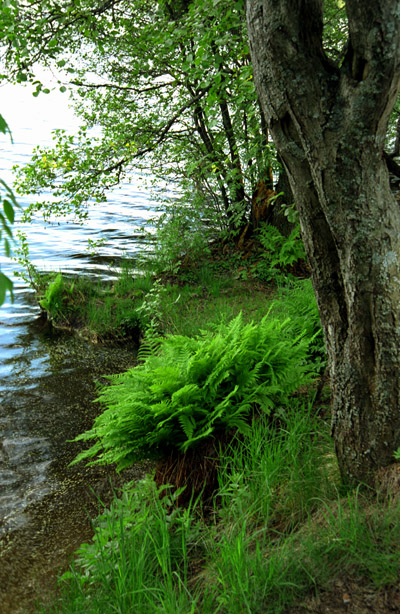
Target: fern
(299, 304)
(53, 299)
(279, 251)
(292, 249)
(193, 388)
(188, 425)
(150, 345)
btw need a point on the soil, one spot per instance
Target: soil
(350, 595)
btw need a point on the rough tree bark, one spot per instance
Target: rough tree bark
(328, 124)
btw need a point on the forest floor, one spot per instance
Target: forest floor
(350, 595)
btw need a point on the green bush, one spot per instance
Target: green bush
(183, 234)
(193, 387)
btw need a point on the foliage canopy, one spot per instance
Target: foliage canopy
(185, 111)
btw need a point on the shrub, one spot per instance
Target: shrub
(184, 232)
(194, 387)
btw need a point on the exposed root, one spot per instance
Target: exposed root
(196, 470)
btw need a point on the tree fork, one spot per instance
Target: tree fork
(328, 124)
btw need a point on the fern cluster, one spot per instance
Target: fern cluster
(193, 387)
(279, 251)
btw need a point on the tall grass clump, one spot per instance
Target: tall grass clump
(137, 560)
(270, 484)
(192, 388)
(275, 472)
(283, 529)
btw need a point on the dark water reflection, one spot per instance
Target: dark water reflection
(48, 389)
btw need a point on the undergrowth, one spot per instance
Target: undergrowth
(101, 310)
(186, 291)
(282, 526)
(192, 388)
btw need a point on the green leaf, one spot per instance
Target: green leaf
(3, 125)
(6, 285)
(7, 249)
(5, 225)
(9, 211)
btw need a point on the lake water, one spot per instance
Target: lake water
(46, 380)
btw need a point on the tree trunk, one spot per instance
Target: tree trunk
(278, 218)
(237, 181)
(328, 124)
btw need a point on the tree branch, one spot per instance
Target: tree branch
(121, 87)
(373, 59)
(141, 152)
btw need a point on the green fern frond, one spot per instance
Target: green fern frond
(149, 346)
(188, 425)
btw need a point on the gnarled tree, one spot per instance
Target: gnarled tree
(328, 118)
